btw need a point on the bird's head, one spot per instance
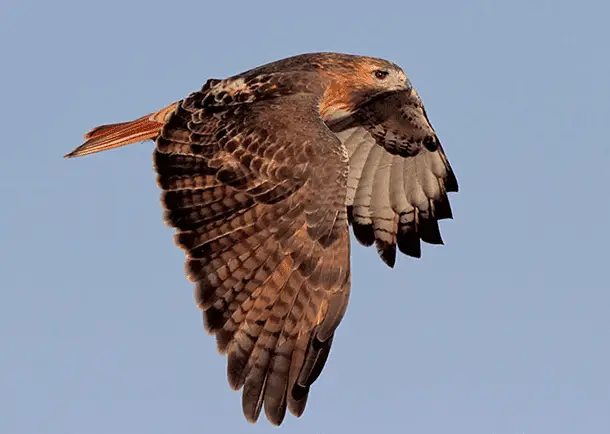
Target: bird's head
(356, 80)
(377, 76)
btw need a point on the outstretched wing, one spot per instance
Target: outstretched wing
(267, 242)
(399, 175)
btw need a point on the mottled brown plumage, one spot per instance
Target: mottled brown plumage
(261, 175)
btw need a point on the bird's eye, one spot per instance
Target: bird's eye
(380, 74)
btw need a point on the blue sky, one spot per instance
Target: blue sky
(503, 330)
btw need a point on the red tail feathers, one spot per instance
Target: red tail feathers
(113, 136)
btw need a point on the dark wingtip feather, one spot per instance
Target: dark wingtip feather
(408, 242)
(323, 349)
(297, 407)
(387, 252)
(364, 234)
(315, 359)
(451, 183)
(442, 208)
(429, 231)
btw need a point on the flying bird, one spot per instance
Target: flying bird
(262, 174)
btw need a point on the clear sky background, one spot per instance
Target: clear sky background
(504, 330)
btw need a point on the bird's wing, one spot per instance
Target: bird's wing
(255, 185)
(399, 175)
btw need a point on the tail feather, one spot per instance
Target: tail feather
(113, 136)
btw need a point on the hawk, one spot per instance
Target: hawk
(262, 174)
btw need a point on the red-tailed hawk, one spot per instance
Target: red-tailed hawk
(262, 173)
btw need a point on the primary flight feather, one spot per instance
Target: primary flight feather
(262, 173)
